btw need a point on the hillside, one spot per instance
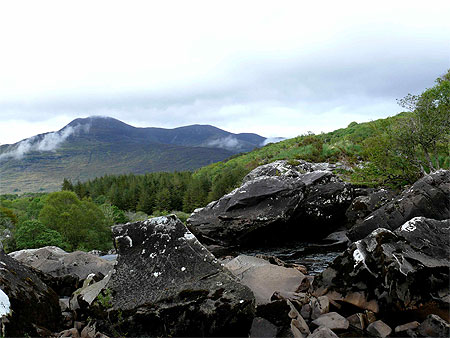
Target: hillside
(92, 147)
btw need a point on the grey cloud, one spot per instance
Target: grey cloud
(229, 143)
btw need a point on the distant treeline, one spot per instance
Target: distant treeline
(157, 192)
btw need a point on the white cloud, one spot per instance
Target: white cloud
(46, 142)
(252, 66)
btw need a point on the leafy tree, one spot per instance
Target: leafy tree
(81, 223)
(113, 214)
(33, 234)
(427, 127)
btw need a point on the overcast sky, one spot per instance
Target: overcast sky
(278, 68)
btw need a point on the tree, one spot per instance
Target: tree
(428, 127)
(81, 223)
(33, 234)
(67, 185)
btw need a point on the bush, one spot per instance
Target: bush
(33, 234)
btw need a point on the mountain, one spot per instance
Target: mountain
(91, 147)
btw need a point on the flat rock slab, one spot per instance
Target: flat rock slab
(332, 320)
(264, 278)
(68, 269)
(166, 283)
(379, 329)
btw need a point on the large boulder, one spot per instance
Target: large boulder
(166, 283)
(428, 197)
(28, 307)
(68, 270)
(276, 202)
(405, 271)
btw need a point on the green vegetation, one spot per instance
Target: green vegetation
(392, 152)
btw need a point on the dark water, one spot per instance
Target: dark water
(315, 257)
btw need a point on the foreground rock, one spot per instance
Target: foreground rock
(393, 272)
(28, 307)
(275, 203)
(263, 278)
(68, 270)
(428, 197)
(167, 284)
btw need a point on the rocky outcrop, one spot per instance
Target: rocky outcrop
(392, 272)
(28, 307)
(166, 283)
(428, 197)
(263, 278)
(68, 270)
(275, 203)
(366, 203)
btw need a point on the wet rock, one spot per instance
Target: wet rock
(67, 269)
(408, 326)
(166, 283)
(264, 278)
(379, 329)
(404, 270)
(27, 304)
(434, 326)
(428, 197)
(332, 320)
(319, 306)
(323, 332)
(272, 208)
(263, 328)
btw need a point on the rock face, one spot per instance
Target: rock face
(68, 270)
(405, 270)
(264, 278)
(428, 197)
(364, 205)
(27, 305)
(166, 283)
(276, 201)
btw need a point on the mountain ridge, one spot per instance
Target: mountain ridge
(91, 147)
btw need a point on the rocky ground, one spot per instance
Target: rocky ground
(392, 278)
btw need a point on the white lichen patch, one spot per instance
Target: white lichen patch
(5, 305)
(183, 269)
(410, 225)
(241, 301)
(143, 251)
(152, 255)
(358, 257)
(157, 274)
(188, 236)
(128, 239)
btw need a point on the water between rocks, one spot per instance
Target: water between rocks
(312, 255)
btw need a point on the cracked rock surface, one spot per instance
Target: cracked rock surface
(166, 283)
(402, 270)
(276, 202)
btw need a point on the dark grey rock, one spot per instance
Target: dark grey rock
(428, 197)
(404, 270)
(263, 328)
(68, 270)
(434, 326)
(27, 304)
(269, 209)
(364, 205)
(166, 283)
